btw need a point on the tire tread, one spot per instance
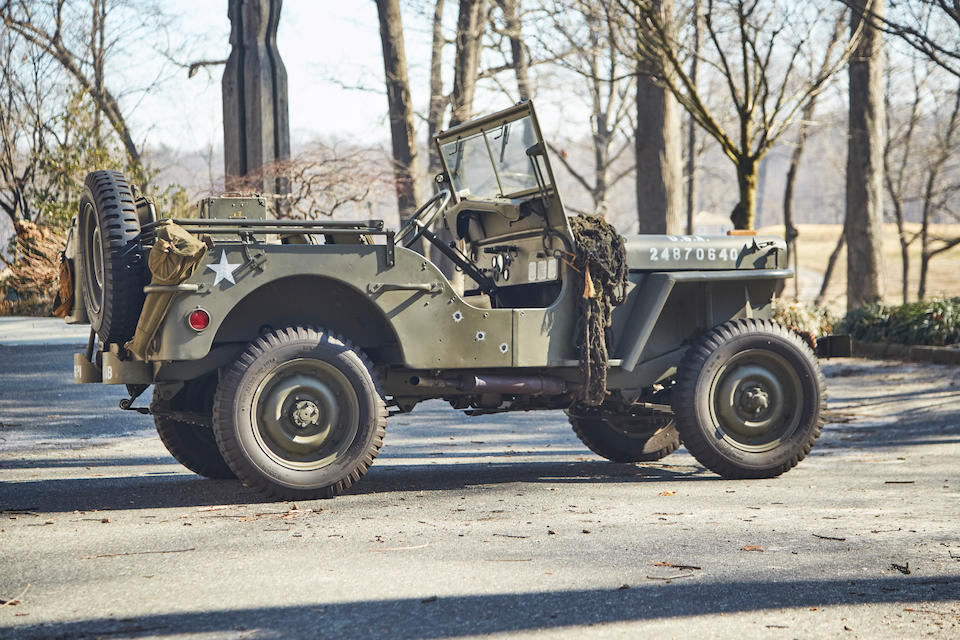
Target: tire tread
(230, 446)
(685, 390)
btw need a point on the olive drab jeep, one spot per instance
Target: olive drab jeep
(277, 348)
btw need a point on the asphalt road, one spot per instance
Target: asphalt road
(499, 526)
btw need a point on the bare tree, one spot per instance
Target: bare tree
(50, 136)
(937, 197)
(402, 135)
(324, 180)
(931, 27)
(863, 225)
(899, 174)
(50, 25)
(585, 40)
(803, 132)
(759, 50)
(470, 24)
(518, 54)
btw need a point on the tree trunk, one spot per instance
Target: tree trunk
(467, 59)
(745, 212)
(863, 226)
(831, 263)
(904, 249)
(402, 136)
(790, 229)
(438, 100)
(658, 152)
(692, 125)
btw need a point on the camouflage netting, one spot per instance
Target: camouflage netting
(600, 258)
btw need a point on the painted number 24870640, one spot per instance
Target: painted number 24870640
(692, 253)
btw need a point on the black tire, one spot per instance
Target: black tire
(749, 399)
(299, 414)
(192, 445)
(112, 277)
(637, 441)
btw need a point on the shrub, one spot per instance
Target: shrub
(803, 318)
(30, 284)
(928, 322)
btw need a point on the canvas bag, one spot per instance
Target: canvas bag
(175, 255)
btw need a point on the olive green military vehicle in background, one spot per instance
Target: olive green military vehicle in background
(277, 347)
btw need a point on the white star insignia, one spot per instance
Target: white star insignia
(223, 269)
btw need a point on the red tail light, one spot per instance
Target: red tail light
(198, 319)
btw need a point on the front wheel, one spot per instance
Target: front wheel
(299, 415)
(749, 399)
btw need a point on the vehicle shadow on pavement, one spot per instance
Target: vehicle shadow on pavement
(65, 463)
(433, 617)
(167, 490)
(446, 477)
(118, 493)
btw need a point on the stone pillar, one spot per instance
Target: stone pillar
(256, 124)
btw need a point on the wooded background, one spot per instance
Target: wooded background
(665, 116)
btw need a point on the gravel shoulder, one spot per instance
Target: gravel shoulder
(499, 526)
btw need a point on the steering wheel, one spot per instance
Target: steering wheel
(412, 228)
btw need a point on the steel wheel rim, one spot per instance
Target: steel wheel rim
(93, 254)
(756, 400)
(305, 414)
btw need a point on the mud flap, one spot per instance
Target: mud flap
(117, 371)
(85, 371)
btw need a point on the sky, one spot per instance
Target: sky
(319, 41)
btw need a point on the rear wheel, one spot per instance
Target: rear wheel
(630, 438)
(112, 273)
(299, 414)
(189, 437)
(749, 399)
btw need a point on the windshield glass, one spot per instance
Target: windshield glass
(493, 163)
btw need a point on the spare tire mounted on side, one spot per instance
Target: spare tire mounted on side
(112, 276)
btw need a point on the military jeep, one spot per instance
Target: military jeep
(277, 347)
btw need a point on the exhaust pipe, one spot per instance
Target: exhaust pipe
(507, 385)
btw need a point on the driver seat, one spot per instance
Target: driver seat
(479, 300)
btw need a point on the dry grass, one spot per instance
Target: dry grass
(817, 241)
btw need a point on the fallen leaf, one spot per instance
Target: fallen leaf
(751, 547)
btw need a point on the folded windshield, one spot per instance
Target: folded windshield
(493, 163)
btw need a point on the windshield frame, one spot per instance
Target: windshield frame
(537, 166)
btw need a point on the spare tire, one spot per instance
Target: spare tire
(112, 272)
